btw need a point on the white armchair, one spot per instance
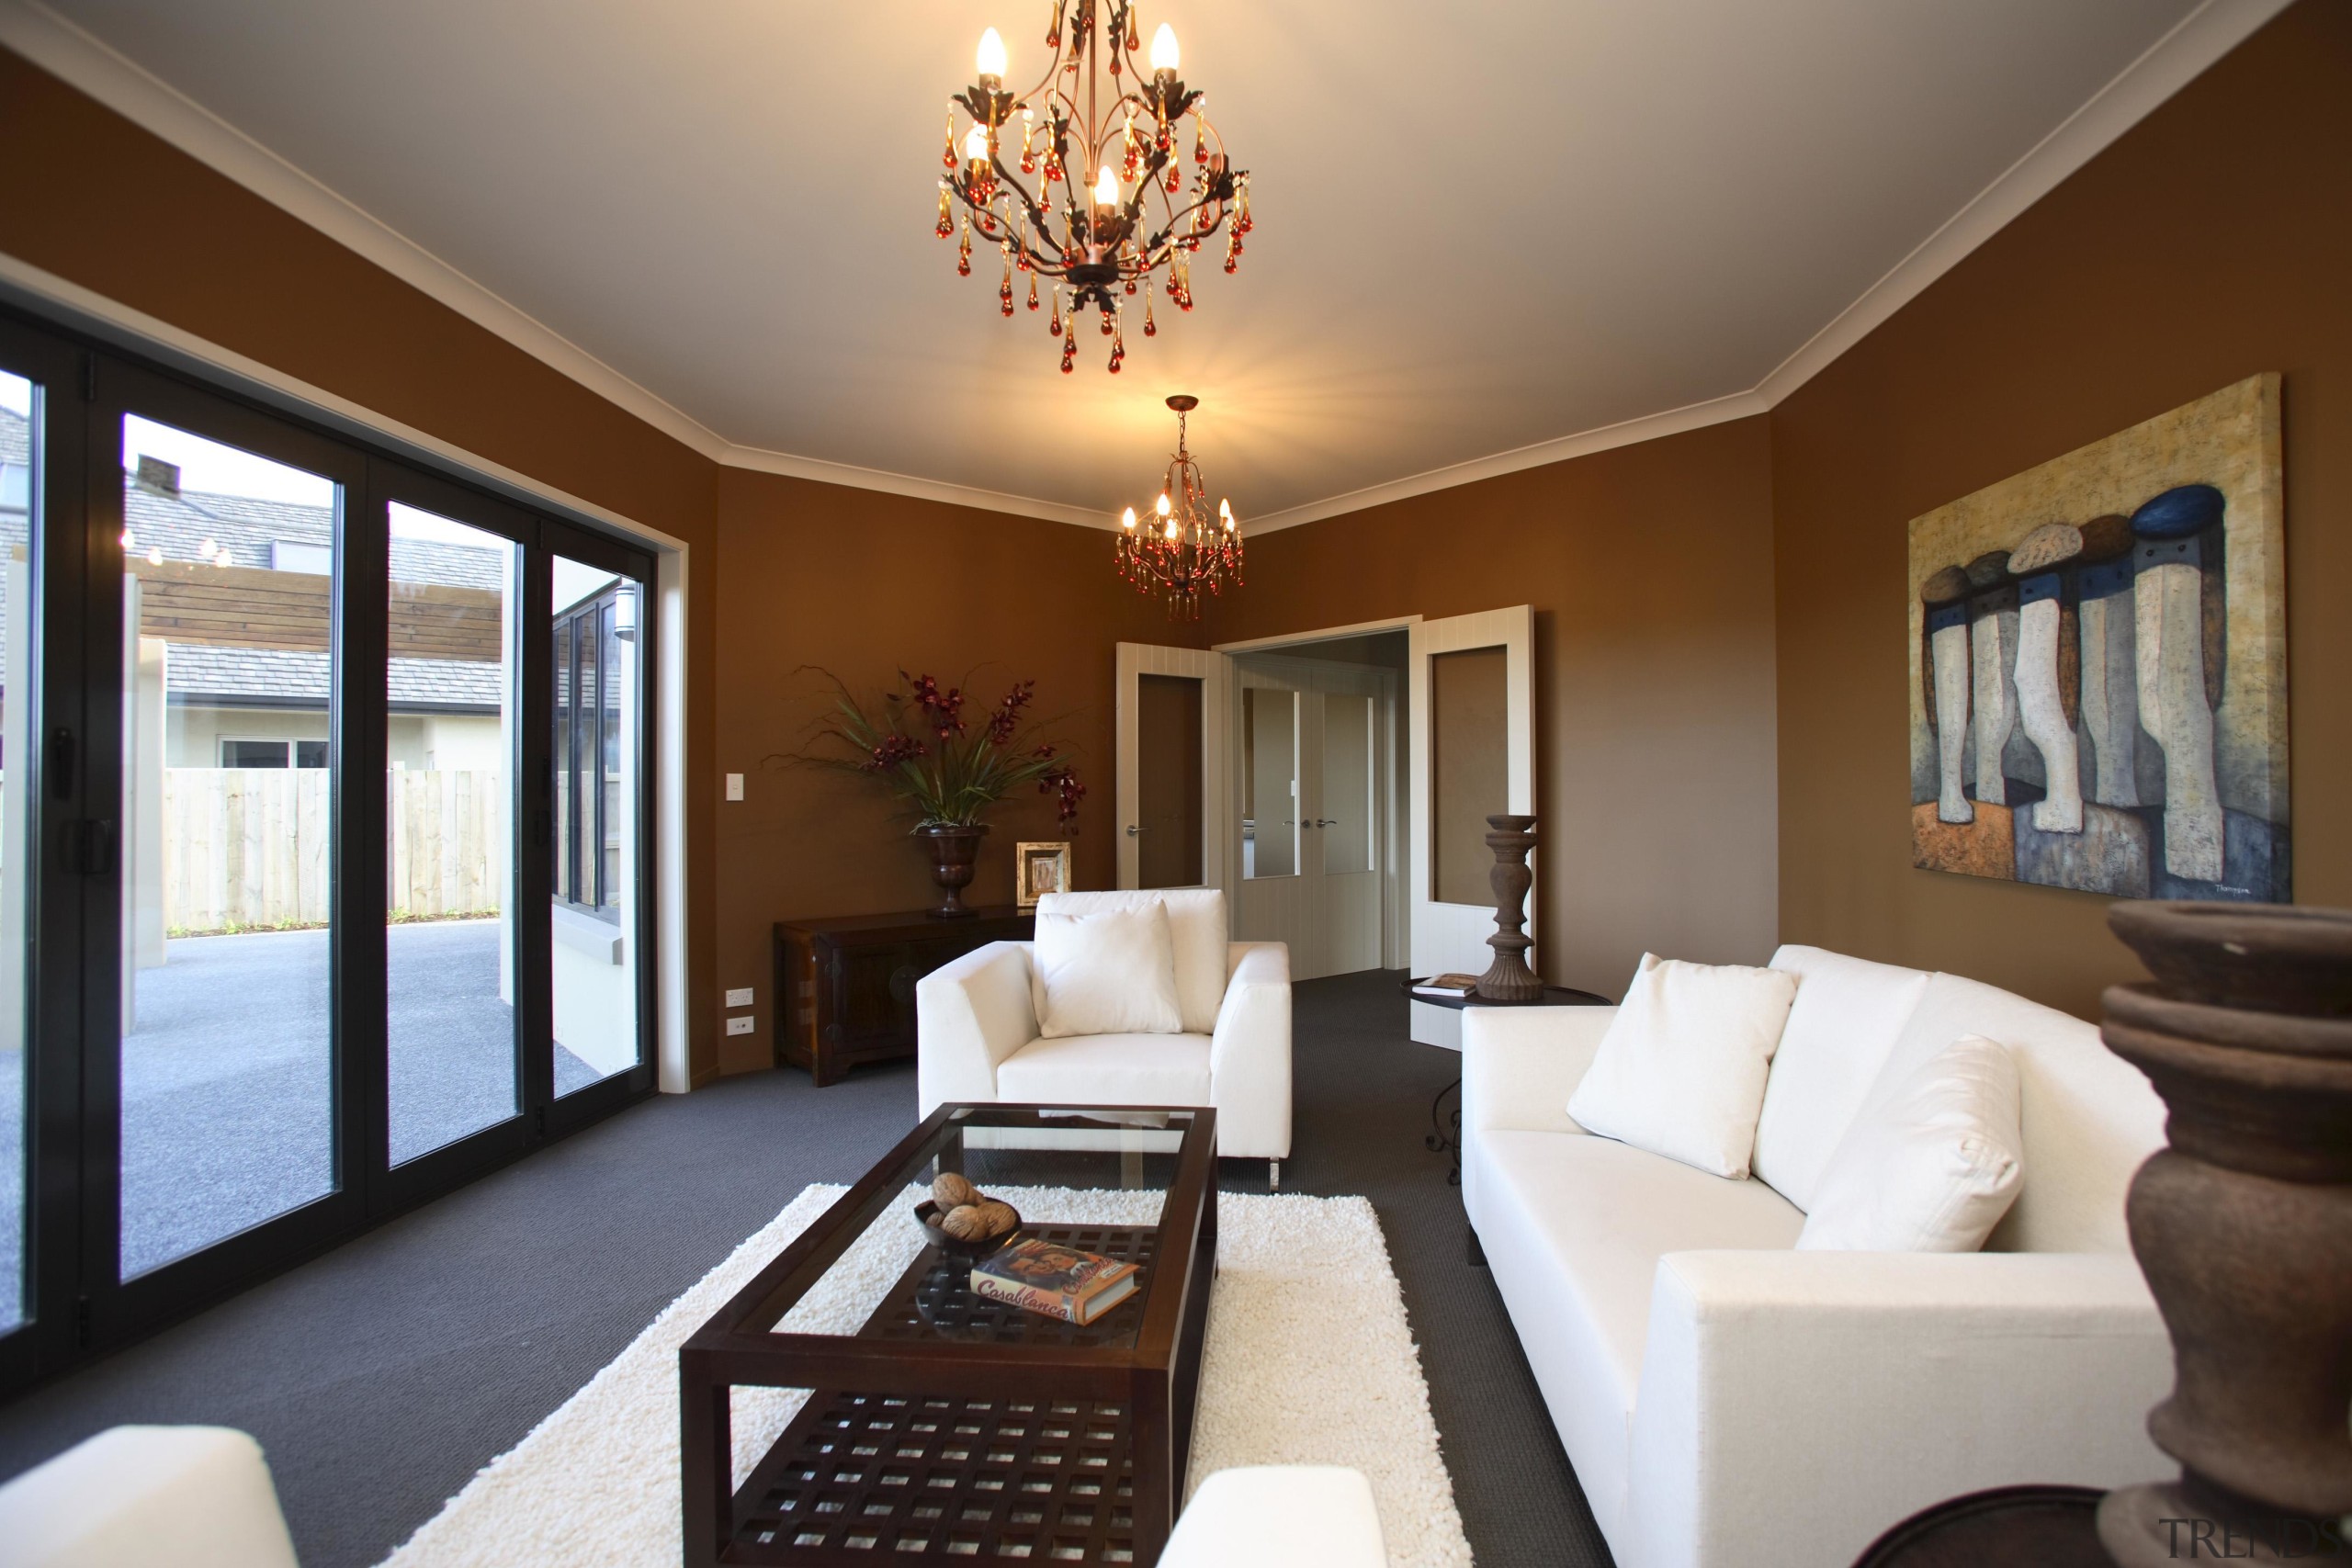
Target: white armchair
(976, 1025)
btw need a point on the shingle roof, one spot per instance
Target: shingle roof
(246, 528)
(283, 678)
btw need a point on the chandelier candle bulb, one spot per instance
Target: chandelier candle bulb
(991, 60)
(1165, 56)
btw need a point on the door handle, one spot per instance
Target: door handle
(1133, 831)
(1326, 822)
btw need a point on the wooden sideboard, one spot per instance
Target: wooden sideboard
(845, 987)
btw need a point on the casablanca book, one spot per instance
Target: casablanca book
(1059, 1281)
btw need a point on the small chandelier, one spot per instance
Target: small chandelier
(1123, 212)
(1182, 549)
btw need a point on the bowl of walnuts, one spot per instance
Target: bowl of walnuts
(959, 1217)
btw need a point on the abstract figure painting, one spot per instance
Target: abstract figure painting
(2099, 665)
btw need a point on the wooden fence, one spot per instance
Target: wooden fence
(247, 847)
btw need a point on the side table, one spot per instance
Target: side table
(845, 986)
(1445, 1127)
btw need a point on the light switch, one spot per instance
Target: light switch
(740, 997)
(740, 1025)
(734, 787)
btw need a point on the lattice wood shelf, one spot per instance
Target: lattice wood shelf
(951, 1425)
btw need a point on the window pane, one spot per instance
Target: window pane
(1269, 766)
(450, 976)
(596, 765)
(20, 448)
(1168, 781)
(228, 1080)
(1469, 770)
(1347, 785)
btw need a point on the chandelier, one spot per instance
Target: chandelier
(1112, 205)
(1183, 549)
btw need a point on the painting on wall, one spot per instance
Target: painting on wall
(2099, 665)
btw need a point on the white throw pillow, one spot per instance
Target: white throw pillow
(1931, 1167)
(1109, 973)
(1681, 1071)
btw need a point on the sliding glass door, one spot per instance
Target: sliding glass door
(293, 736)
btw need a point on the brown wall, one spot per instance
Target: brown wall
(2212, 241)
(1650, 569)
(103, 203)
(866, 584)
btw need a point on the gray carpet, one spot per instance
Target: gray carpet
(381, 1376)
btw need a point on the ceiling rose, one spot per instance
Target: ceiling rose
(1184, 548)
(1114, 205)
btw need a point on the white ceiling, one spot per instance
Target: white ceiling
(1484, 226)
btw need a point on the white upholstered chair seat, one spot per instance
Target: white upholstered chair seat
(1109, 1069)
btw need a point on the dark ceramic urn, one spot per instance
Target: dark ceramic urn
(2242, 1224)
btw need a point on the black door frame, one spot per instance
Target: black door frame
(76, 1309)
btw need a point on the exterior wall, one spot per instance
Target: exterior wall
(2212, 241)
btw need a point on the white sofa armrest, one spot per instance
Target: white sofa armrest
(191, 1496)
(1249, 1053)
(1520, 1065)
(970, 1014)
(1794, 1405)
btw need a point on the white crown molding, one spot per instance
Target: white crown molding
(83, 62)
(763, 460)
(65, 51)
(2195, 44)
(1649, 427)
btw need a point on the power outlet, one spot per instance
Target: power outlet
(740, 1025)
(740, 997)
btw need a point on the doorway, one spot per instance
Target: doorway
(1318, 746)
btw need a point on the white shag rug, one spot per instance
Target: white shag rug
(1309, 1360)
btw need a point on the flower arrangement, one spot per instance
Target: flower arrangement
(917, 743)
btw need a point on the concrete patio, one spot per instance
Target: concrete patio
(227, 1087)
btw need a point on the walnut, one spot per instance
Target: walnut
(998, 1216)
(965, 1222)
(951, 1191)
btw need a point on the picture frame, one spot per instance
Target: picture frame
(1039, 869)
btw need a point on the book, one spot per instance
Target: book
(1060, 1282)
(1447, 985)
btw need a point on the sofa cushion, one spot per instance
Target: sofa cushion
(1573, 1228)
(1681, 1071)
(1106, 971)
(1197, 932)
(2087, 1116)
(1847, 1016)
(1108, 1069)
(1933, 1166)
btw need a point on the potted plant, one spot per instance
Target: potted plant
(915, 742)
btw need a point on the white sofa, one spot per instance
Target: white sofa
(138, 1496)
(1279, 1516)
(976, 1025)
(1732, 1402)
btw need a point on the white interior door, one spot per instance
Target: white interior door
(1472, 753)
(1169, 787)
(1314, 795)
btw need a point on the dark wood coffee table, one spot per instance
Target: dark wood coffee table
(943, 1425)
